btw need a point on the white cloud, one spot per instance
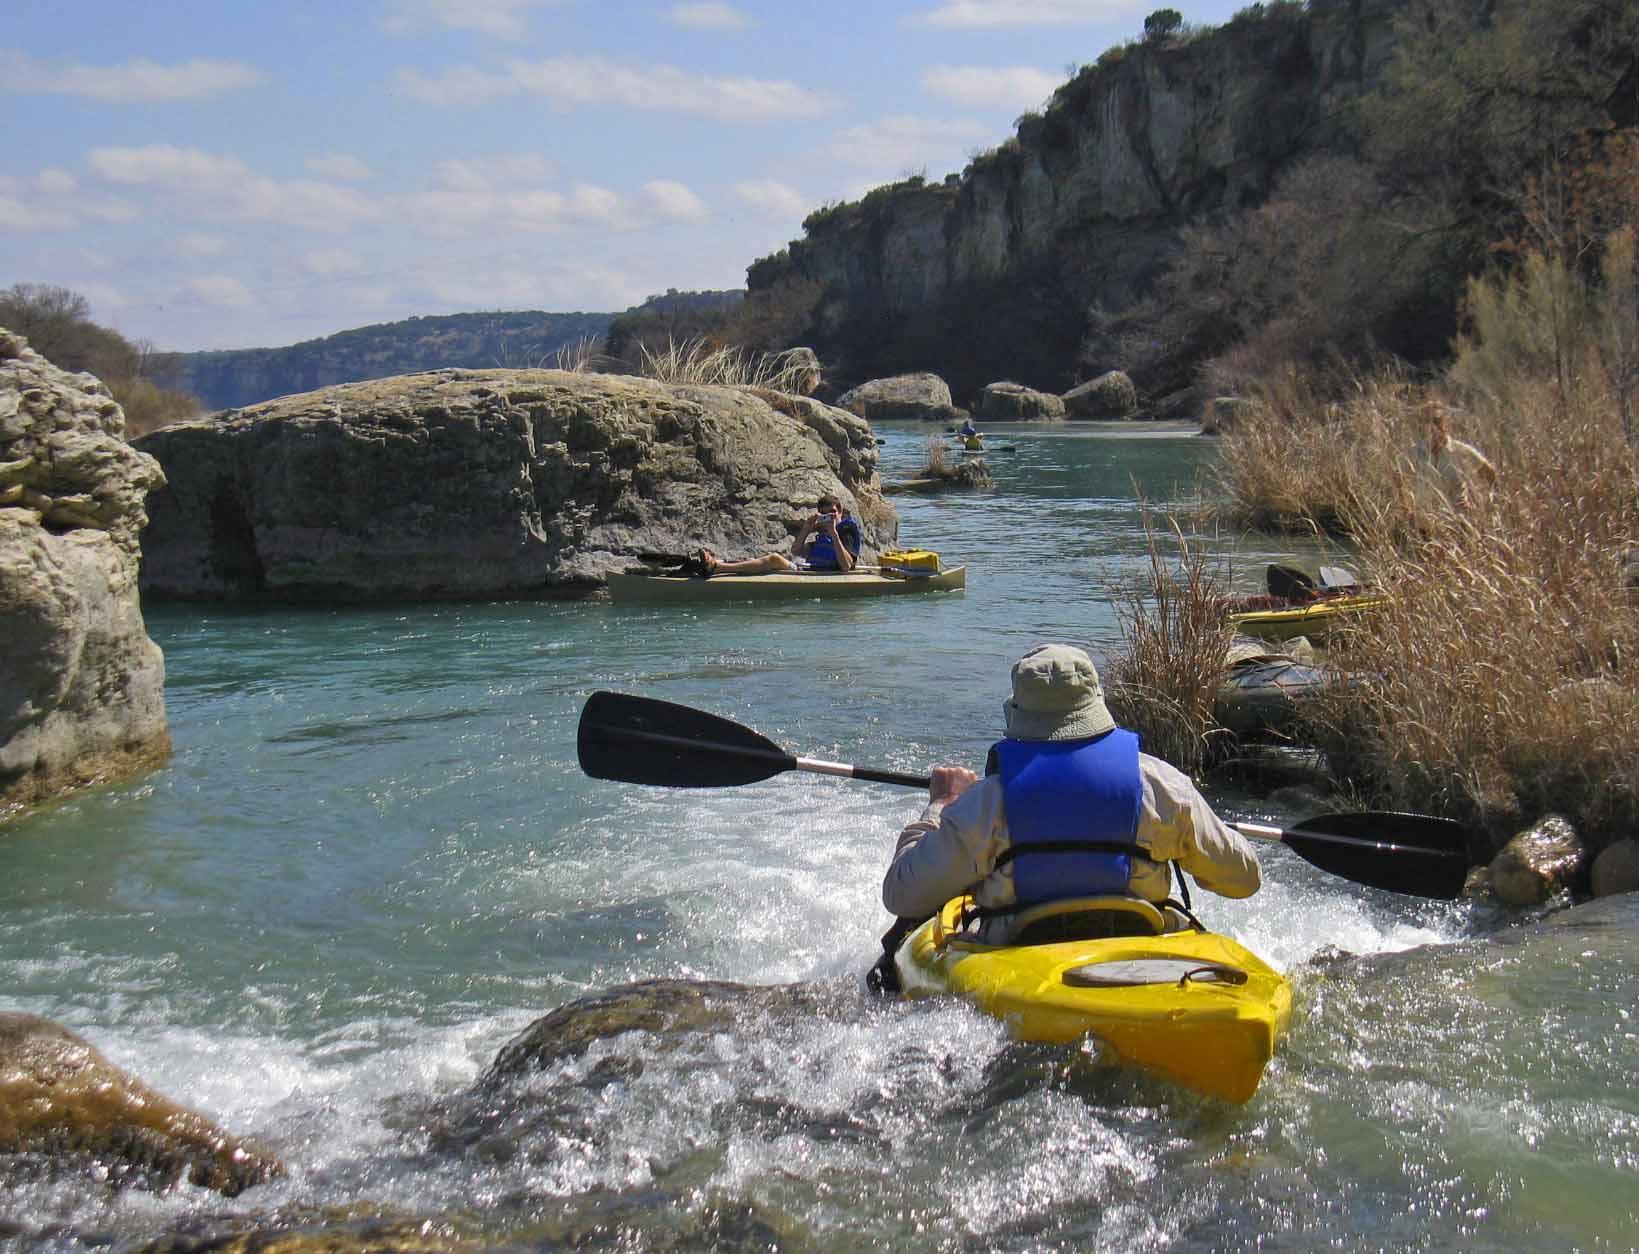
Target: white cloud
(225, 187)
(459, 85)
(708, 16)
(139, 79)
(197, 244)
(53, 201)
(992, 13)
(779, 200)
(338, 165)
(57, 182)
(569, 82)
(1004, 87)
(17, 214)
(674, 201)
(222, 291)
(331, 263)
(505, 19)
(904, 143)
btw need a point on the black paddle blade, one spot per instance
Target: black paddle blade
(639, 740)
(1416, 854)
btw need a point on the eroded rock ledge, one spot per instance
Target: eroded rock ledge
(478, 484)
(81, 684)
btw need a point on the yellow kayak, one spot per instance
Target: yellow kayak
(1193, 1007)
(1314, 620)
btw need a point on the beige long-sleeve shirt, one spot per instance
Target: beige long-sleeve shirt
(953, 848)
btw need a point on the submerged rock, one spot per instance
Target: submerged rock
(62, 1099)
(491, 483)
(81, 685)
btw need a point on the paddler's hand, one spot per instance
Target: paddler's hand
(946, 783)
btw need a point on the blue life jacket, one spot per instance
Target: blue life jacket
(822, 553)
(1061, 794)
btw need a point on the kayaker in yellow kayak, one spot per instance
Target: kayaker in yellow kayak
(829, 540)
(1068, 808)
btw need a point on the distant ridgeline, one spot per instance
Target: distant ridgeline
(230, 378)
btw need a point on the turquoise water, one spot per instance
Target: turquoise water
(372, 861)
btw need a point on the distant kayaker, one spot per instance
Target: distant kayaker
(829, 540)
(1069, 807)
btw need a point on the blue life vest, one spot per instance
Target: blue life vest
(1068, 793)
(822, 553)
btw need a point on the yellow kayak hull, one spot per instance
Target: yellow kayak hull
(1210, 1035)
(1315, 620)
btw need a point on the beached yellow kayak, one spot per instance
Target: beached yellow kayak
(781, 587)
(1195, 1008)
(1313, 620)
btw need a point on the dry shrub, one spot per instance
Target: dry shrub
(583, 356)
(147, 407)
(938, 465)
(1334, 460)
(700, 361)
(1502, 681)
(1163, 681)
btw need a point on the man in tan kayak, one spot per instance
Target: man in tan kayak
(829, 540)
(1068, 808)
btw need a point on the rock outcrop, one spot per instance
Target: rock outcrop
(60, 1097)
(479, 484)
(996, 271)
(1111, 395)
(81, 685)
(1013, 401)
(920, 396)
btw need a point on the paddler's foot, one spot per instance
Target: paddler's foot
(708, 563)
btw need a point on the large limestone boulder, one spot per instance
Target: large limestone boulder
(491, 483)
(1111, 395)
(81, 685)
(61, 1098)
(1005, 401)
(921, 396)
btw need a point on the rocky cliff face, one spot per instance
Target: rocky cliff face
(490, 483)
(81, 684)
(991, 274)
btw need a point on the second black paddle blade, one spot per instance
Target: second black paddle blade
(1400, 853)
(639, 740)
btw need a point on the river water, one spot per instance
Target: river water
(372, 862)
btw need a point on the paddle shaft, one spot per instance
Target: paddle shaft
(1264, 831)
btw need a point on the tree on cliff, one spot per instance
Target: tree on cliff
(57, 324)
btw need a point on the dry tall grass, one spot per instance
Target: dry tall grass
(1502, 682)
(698, 361)
(1163, 683)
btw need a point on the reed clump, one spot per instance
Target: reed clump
(1164, 681)
(701, 361)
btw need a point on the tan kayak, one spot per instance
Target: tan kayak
(639, 586)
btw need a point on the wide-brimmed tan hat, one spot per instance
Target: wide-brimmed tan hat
(1056, 696)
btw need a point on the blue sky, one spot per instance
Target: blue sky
(230, 174)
